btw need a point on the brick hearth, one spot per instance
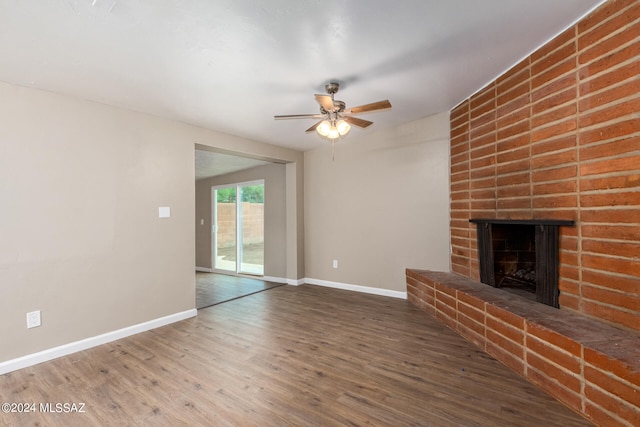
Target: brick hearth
(591, 367)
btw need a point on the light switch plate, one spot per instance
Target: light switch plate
(164, 212)
(33, 319)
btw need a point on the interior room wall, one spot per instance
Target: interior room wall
(275, 238)
(380, 206)
(80, 188)
(295, 222)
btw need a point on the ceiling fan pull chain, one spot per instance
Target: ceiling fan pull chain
(333, 150)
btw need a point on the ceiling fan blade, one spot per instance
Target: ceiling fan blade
(326, 102)
(367, 108)
(313, 128)
(357, 122)
(299, 116)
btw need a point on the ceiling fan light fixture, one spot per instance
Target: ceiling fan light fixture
(343, 127)
(324, 128)
(333, 130)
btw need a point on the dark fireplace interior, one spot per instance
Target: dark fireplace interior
(514, 258)
(521, 256)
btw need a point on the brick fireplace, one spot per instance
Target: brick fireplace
(556, 137)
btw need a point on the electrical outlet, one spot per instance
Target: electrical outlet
(335, 263)
(33, 319)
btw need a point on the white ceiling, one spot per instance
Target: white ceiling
(231, 65)
(210, 163)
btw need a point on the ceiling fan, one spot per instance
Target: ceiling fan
(336, 119)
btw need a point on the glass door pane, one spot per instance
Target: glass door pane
(225, 246)
(251, 228)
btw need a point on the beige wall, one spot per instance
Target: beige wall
(275, 237)
(295, 221)
(80, 187)
(381, 206)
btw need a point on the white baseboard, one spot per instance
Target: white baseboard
(63, 350)
(294, 282)
(357, 288)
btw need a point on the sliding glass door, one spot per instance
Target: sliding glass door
(238, 231)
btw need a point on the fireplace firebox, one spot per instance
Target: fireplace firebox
(521, 256)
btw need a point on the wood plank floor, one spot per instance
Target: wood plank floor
(288, 356)
(214, 288)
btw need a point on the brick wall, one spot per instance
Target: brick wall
(558, 136)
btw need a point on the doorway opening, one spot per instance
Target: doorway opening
(238, 228)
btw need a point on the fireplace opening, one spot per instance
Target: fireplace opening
(514, 258)
(521, 257)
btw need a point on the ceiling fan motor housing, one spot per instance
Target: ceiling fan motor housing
(332, 88)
